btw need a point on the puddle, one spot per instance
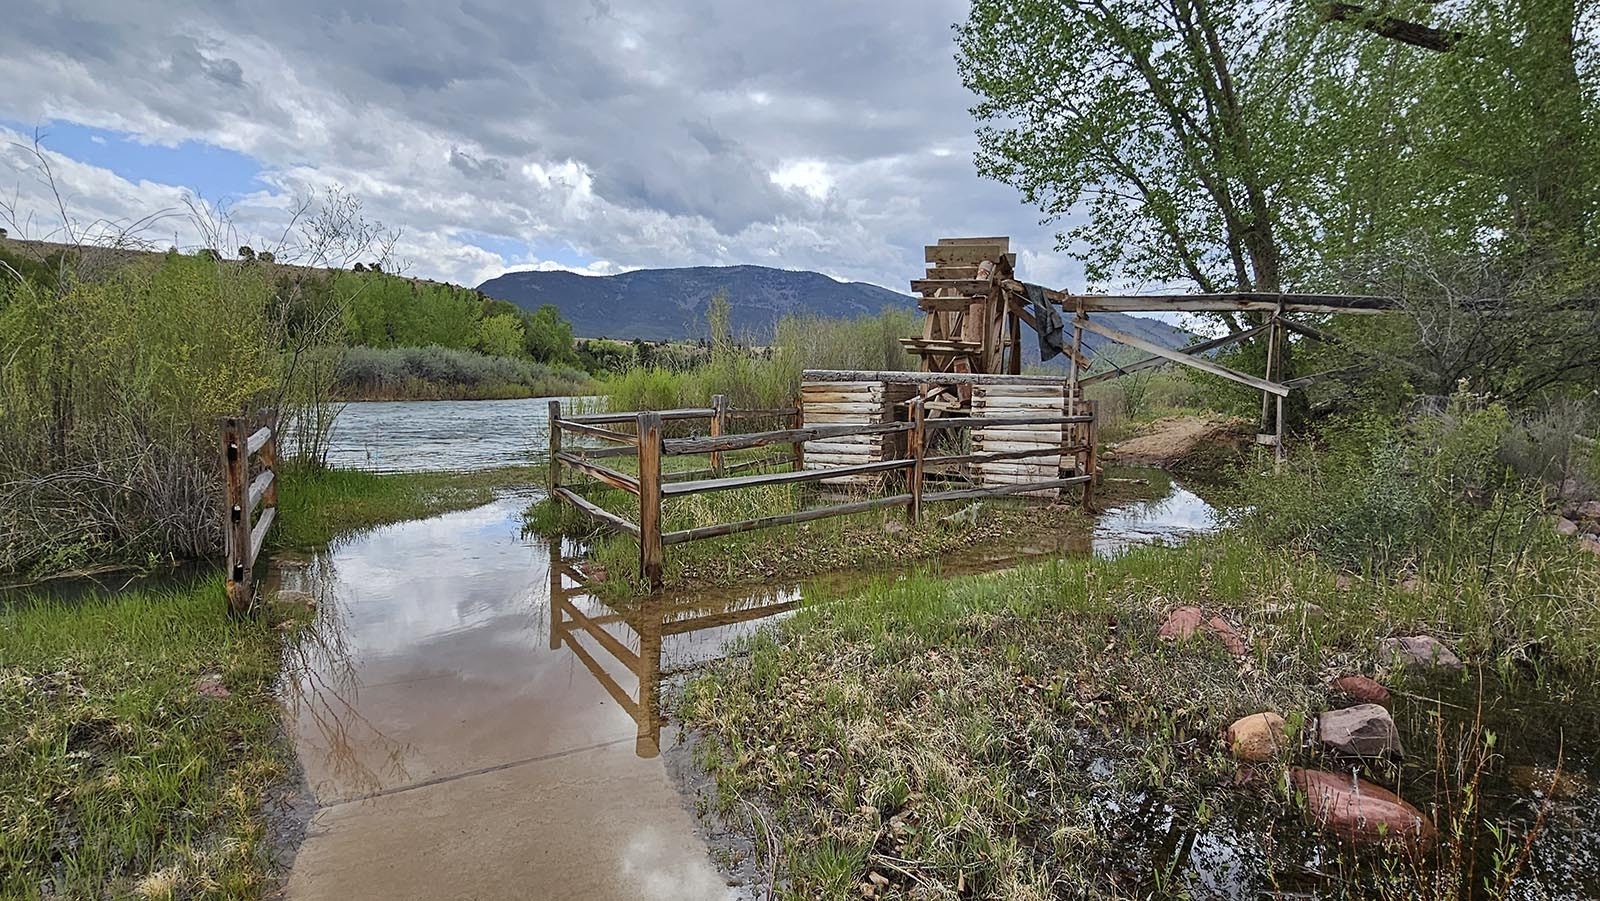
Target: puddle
(460, 694)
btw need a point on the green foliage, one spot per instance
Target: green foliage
(387, 311)
(1422, 494)
(769, 378)
(110, 390)
(439, 373)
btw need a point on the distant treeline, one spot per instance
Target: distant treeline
(439, 373)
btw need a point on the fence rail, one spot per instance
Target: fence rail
(245, 532)
(652, 484)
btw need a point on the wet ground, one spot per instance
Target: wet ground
(472, 724)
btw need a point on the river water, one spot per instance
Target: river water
(411, 436)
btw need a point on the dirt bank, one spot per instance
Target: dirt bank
(1184, 443)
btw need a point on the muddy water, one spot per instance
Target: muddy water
(472, 724)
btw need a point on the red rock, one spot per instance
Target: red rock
(1183, 623)
(1360, 812)
(1362, 690)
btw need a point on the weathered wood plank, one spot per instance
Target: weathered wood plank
(967, 494)
(597, 432)
(1192, 349)
(666, 415)
(980, 422)
(258, 488)
(962, 254)
(258, 440)
(787, 436)
(933, 378)
(618, 480)
(953, 285)
(780, 478)
(748, 525)
(1179, 357)
(258, 534)
(596, 512)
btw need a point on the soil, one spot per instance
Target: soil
(1184, 443)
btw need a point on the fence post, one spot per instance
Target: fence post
(719, 426)
(918, 440)
(236, 517)
(651, 552)
(1091, 463)
(797, 420)
(553, 477)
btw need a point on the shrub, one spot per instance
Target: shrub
(438, 372)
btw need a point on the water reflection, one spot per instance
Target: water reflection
(659, 635)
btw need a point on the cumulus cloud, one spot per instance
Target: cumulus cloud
(830, 135)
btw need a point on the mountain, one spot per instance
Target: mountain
(670, 304)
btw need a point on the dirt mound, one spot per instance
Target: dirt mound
(1183, 442)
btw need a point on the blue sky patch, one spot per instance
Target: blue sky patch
(211, 172)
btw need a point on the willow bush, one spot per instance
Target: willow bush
(112, 380)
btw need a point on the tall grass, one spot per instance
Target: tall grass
(118, 777)
(110, 389)
(767, 378)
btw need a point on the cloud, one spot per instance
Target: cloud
(832, 135)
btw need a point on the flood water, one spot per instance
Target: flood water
(472, 723)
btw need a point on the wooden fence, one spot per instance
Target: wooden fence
(248, 487)
(648, 443)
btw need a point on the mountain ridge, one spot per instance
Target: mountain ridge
(670, 304)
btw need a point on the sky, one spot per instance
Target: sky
(594, 135)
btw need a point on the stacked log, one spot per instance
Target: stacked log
(855, 403)
(1021, 400)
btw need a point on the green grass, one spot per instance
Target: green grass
(972, 736)
(117, 777)
(316, 506)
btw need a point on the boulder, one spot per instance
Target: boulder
(1422, 651)
(1184, 623)
(1365, 730)
(1258, 737)
(1589, 510)
(1565, 526)
(1362, 690)
(1360, 812)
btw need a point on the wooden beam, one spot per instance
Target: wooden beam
(618, 480)
(597, 432)
(257, 441)
(779, 478)
(596, 512)
(1200, 363)
(1192, 349)
(968, 494)
(979, 422)
(783, 519)
(928, 378)
(676, 446)
(1234, 302)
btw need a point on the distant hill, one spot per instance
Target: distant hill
(670, 304)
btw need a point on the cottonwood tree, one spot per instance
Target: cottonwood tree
(1147, 113)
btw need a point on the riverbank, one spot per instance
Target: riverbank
(1029, 733)
(140, 732)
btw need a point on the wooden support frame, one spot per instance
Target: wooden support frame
(244, 532)
(652, 485)
(1184, 359)
(1154, 360)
